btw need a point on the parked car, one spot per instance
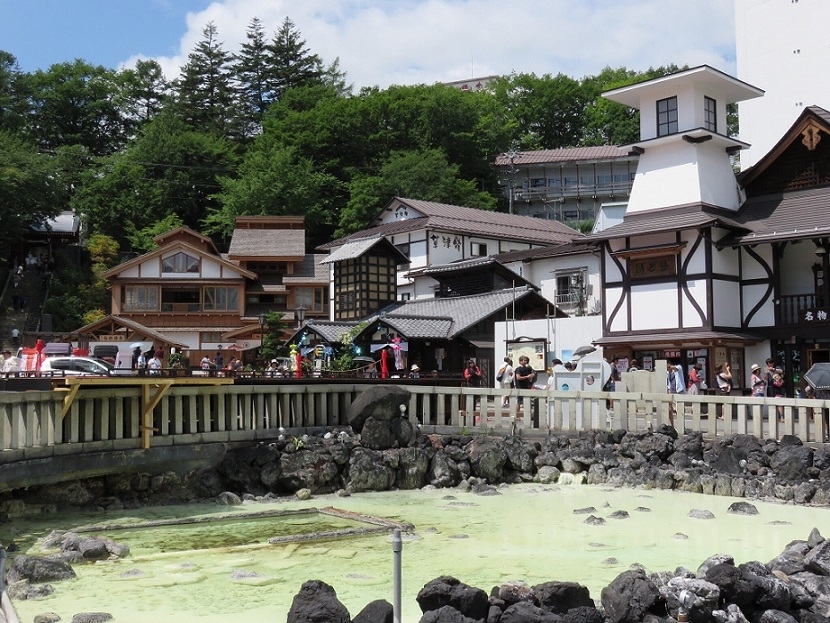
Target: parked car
(76, 366)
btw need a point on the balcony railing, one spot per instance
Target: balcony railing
(802, 310)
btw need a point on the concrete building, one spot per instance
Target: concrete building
(781, 46)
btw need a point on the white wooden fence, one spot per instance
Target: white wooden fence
(34, 424)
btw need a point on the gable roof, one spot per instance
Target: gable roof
(133, 331)
(814, 114)
(356, 247)
(471, 221)
(429, 317)
(284, 244)
(675, 218)
(184, 231)
(172, 246)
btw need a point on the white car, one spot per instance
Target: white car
(76, 366)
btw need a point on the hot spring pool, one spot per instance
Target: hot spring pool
(225, 570)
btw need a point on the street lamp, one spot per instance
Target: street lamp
(263, 320)
(300, 314)
(511, 184)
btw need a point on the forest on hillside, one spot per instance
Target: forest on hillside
(268, 129)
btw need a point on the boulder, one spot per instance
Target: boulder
(38, 570)
(317, 603)
(381, 402)
(629, 597)
(378, 611)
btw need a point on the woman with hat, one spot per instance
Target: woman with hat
(757, 382)
(415, 372)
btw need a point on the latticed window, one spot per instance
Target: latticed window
(667, 116)
(140, 298)
(710, 114)
(180, 263)
(221, 299)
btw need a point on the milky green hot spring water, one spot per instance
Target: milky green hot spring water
(226, 571)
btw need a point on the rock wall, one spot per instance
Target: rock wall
(740, 466)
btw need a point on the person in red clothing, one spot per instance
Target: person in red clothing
(472, 374)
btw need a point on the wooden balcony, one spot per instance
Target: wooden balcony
(802, 310)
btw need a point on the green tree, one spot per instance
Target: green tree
(272, 181)
(273, 342)
(28, 189)
(143, 240)
(143, 91)
(75, 104)
(206, 95)
(426, 175)
(251, 72)
(13, 94)
(170, 169)
(548, 112)
(291, 63)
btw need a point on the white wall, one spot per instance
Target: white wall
(564, 335)
(781, 46)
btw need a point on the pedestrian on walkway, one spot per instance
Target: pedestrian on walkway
(16, 337)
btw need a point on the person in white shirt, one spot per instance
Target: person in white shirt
(9, 364)
(504, 378)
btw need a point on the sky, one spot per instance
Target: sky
(385, 42)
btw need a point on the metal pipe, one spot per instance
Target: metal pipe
(397, 547)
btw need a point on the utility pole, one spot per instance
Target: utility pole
(511, 183)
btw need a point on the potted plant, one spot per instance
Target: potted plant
(178, 362)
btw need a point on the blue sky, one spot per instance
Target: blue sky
(383, 42)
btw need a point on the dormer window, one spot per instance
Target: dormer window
(180, 263)
(710, 114)
(667, 116)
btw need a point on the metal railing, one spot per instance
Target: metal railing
(109, 418)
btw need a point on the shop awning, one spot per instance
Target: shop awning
(680, 339)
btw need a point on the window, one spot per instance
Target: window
(221, 299)
(667, 116)
(478, 249)
(710, 114)
(179, 299)
(405, 296)
(210, 336)
(180, 263)
(140, 298)
(313, 299)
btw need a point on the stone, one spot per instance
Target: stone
(317, 603)
(92, 617)
(742, 508)
(381, 402)
(629, 596)
(378, 611)
(38, 570)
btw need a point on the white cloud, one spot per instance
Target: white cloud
(383, 42)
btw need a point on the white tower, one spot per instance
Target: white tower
(684, 150)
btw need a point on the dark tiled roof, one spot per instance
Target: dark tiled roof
(310, 270)
(668, 219)
(459, 219)
(537, 253)
(788, 216)
(465, 311)
(267, 243)
(565, 155)
(328, 330)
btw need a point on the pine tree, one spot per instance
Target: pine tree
(291, 64)
(206, 93)
(251, 71)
